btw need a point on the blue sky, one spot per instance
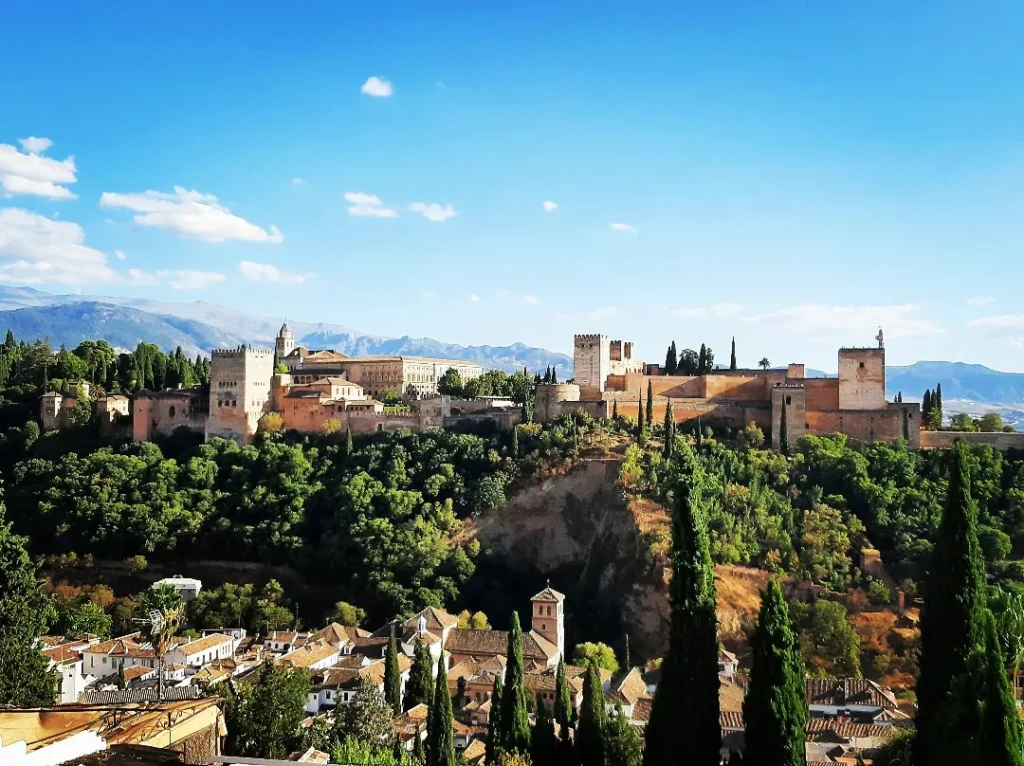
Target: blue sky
(792, 173)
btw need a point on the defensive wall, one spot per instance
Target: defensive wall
(999, 440)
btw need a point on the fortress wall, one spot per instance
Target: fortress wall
(822, 393)
(862, 379)
(735, 387)
(866, 426)
(997, 440)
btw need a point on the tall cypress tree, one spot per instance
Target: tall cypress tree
(515, 720)
(937, 399)
(349, 446)
(494, 748)
(640, 430)
(563, 701)
(514, 447)
(622, 745)
(440, 737)
(543, 742)
(590, 731)
(627, 661)
(774, 709)
(670, 431)
(952, 618)
(685, 707)
(784, 428)
(615, 409)
(420, 687)
(1000, 741)
(649, 416)
(702, 359)
(732, 358)
(554, 375)
(671, 360)
(392, 676)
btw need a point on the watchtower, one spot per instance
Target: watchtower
(591, 361)
(285, 342)
(239, 391)
(549, 617)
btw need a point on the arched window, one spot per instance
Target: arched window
(170, 411)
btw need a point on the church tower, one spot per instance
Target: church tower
(285, 343)
(549, 617)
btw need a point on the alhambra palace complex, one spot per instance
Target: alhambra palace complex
(317, 391)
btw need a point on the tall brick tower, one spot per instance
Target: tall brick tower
(549, 617)
(239, 391)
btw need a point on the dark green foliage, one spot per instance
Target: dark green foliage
(671, 359)
(732, 356)
(25, 680)
(1000, 741)
(784, 428)
(563, 701)
(440, 736)
(952, 618)
(494, 731)
(649, 413)
(514, 734)
(263, 715)
(702, 358)
(349, 445)
(669, 429)
(622, 746)
(774, 708)
(543, 742)
(626, 659)
(367, 718)
(392, 676)
(685, 707)
(419, 689)
(258, 610)
(615, 409)
(591, 728)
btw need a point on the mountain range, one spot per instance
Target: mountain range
(199, 326)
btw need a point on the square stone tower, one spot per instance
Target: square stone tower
(549, 617)
(591, 361)
(862, 379)
(239, 391)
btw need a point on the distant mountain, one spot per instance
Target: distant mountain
(971, 382)
(198, 327)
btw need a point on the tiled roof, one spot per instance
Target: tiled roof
(64, 653)
(475, 753)
(537, 682)
(137, 672)
(204, 643)
(309, 654)
(730, 695)
(484, 643)
(642, 709)
(122, 647)
(129, 696)
(437, 619)
(841, 692)
(334, 678)
(820, 728)
(473, 669)
(549, 594)
(336, 634)
(630, 687)
(731, 719)
(286, 636)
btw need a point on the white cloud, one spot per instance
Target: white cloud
(34, 174)
(142, 278)
(549, 206)
(853, 324)
(191, 214)
(474, 298)
(433, 211)
(981, 300)
(120, 255)
(34, 145)
(265, 272)
(623, 227)
(185, 279)
(368, 206)
(531, 300)
(298, 181)
(35, 249)
(377, 86)
(1009, 327)
(715, 310)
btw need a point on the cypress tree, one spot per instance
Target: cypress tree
(702, 359)
(494, 748)
(392, 677)
(590, 731)
(419, 751)
(732, 358)
(670, 431)
(349, 446)
(649, 417)
(1000, 742)
(774, 709)
(420, 687)
(685, 707)
(937, 399)
(640, 430)
(615, 410)
(440, 737)
(543, 742)
(621, 742)
(671, 360)
(515, 720)
(514, 448)
(122, 683)
(563, 702)
(784, 428)
(952, 618)
(547, 374)
(554, 375)
(926, 404)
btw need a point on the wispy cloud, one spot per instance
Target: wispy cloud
(432, 211)
(368, 206)
(36, 249)
(1008, 327)
(265, 272)
(190, 214)
(549, 206)
(298, 181)
(474, 298)
(377, 86)
(186, 279)
(531, 300)
(31, 174)
(981, 300)
(120, 255)
(850, 323)
(623, 228)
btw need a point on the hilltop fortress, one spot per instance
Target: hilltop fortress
(608, 379)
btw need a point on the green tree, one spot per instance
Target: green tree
(392, 676)
(515, 721)
(951, 620)
(649, 414)
(450, 383)
(348, 614)
(615, 409)
(367, 717)
(494, 730)
(593, 717)
(670, 431)
(563, 700)
(685, 706)
(774, 709)
(1000, 741)
(543, 742)
(764, 364)
(622, 746)
(440, 736)
(671, 359)
(732, 356)
(263, 716)
(25, 680)
(600, 653)
(86, 617)
(784, 428)
(702, 359)
(990, 421)
(420, 687)
(165, 613)
(828, 634)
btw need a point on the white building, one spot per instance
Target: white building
(202, 651)
(188, 587)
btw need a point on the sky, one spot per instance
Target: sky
(794, 174)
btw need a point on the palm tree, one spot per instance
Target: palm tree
(164, 612)
(764, 363)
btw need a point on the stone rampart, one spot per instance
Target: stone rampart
(998, 439)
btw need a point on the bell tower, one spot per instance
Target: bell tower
(285, 343)
(549, 617)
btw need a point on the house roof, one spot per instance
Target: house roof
(731, 720)
(549, 594)
(730, 695)
(820, 729)
(482, 643)
(336, 634)
(437, 619)
(286, 636)
(308, 654)
(204, 643)
(122, 647)
(475, 753)
(629, 687)
(841, 692)
(137, 673)
(642, 709)
(64, 653)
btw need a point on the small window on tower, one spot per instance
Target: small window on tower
(789, 400)
(862, 365)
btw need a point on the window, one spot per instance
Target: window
(789, 400)
(862, 365)
(170, 411)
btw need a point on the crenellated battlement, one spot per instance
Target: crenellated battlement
(589, 338)
(245, 348)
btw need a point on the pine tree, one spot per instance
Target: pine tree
(1000, 741)
(649, 415)
(563, 702)
(547, 374)
(494, 748)
(622, 745)
(685, 707)
(671, 360)
(784, 428)
(702, 359)
(670, 431)
(952, 618)
(590, 731)
(440, 736)
(420, 687)
(543, 742)
(392, 676)
(774, 709)
(25, 679)
(515, 720)
(732, 358)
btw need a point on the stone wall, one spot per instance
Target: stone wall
(822, 393)
(794, 399)
(869, 426)
(591, 360)
(162, 413)
(862, 379)
(998, 440)
(240, 388)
